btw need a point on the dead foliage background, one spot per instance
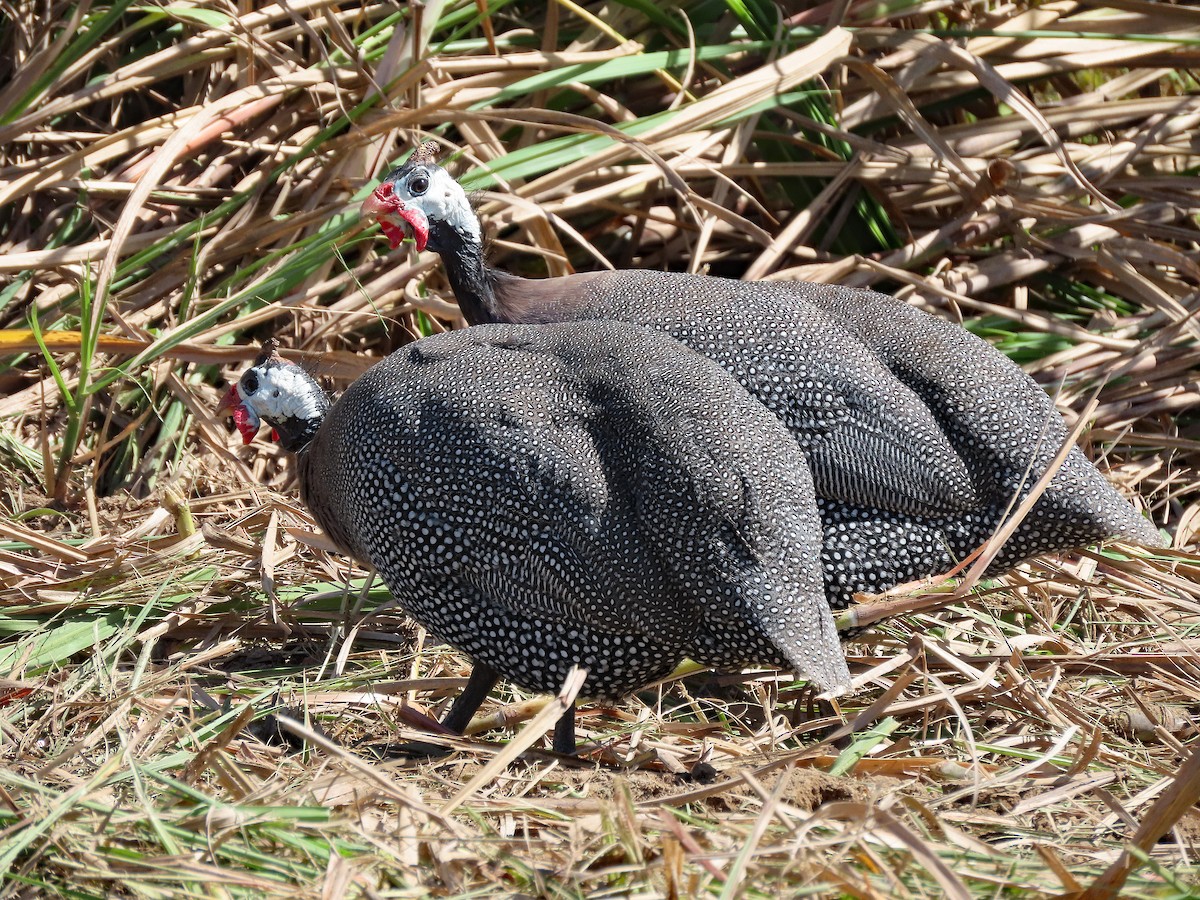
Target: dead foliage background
(179, 180)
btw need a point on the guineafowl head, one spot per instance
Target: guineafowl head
(279, 393)
(422, 199)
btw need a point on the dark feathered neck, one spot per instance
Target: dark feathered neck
(486, 295)
(475, 284)
(296, 434)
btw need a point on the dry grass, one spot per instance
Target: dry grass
(179, 181)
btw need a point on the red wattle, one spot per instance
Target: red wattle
(392, 215)
(394, 233)
(245, 423)
(417, 223)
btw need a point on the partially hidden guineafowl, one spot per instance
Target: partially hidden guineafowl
(591, 494)
(919, 434)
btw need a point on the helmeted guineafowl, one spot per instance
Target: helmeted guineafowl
(590, 494)
(920, 435)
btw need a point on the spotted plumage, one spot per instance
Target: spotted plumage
(920, 435)
(589, 494)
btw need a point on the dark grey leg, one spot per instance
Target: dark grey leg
(479, 685)
(564, 733)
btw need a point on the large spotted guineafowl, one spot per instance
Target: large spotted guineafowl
(591, 494)
(919, 434)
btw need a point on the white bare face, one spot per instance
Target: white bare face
(418, 199)
(442, 199)
(275, 393)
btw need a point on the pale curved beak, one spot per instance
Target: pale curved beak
(230, 401)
